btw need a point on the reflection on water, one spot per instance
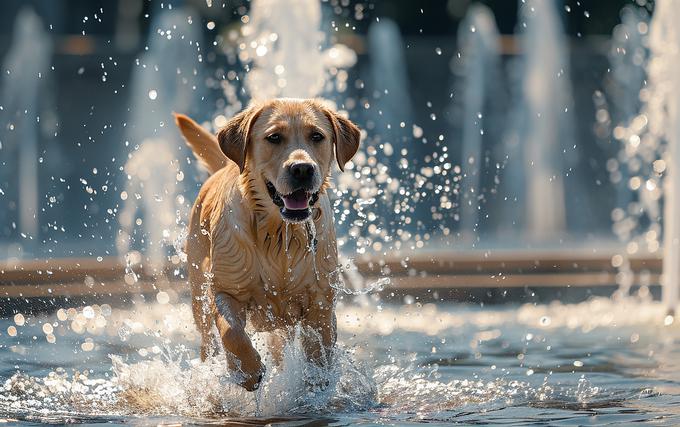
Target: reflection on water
(604, 361)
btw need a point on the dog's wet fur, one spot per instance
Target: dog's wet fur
(270, 168)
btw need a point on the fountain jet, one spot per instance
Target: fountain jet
(389, 81)
(547, 118)
(24, 69)
(663, 113)
(285, 44)
(478, 36)
(167, 78)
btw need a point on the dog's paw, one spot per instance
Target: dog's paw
(317, 384)
(252, 382)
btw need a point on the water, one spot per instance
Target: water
(650, 153)
(381, 188)
(627, 56)
(390, 83)
(166, 77)
(545, 124)
(480, 74)
(402, 364)
(603, 361)
(285, 47)
(23, 102)
(665, 122)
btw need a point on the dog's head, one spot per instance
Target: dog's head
(286, 148)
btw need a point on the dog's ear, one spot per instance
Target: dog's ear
(233, 138)
(346, 138)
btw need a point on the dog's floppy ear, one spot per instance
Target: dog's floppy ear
(233, 138)
(346, 138)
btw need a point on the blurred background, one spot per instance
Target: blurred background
(488, 126)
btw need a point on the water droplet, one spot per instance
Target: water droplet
(668, 320)
(88, 312)
(19, 319)
(162, 297)
(88, 345)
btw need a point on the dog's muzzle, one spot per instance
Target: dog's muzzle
(296, 206)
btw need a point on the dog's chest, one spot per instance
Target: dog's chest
(294, 269)
(275, 269)
(288, 262)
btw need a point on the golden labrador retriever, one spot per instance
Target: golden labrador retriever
(253, 224)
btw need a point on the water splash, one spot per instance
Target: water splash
(284, 44)
(650, 144)
(359, 290)
(627, 57)
(621, 102)
(157, 376)
(171, 382)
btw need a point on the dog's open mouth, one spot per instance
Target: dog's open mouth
(296, 206)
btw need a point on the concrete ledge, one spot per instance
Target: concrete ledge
(409, 272)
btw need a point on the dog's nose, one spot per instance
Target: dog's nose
(302, 173)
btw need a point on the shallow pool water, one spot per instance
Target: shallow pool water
(597, 362)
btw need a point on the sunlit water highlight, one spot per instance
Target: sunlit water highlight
(394, 364)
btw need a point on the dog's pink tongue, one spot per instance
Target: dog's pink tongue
(299, 199)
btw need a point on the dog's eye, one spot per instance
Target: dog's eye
(274, 138)
(317, 137)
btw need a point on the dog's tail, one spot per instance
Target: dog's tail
(205, 146)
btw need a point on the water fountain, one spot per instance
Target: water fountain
(166, 78)
(389, 82)
(23, 80)
(479, 71)
(153, 190)
(627, 57)
(388, 151)
(621, 106)
(391, 110)
(546, 123)
(284, 44)
(651, 156)
(663, 115)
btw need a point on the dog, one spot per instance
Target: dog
(262, 228)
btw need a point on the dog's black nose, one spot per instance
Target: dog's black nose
(302, 173)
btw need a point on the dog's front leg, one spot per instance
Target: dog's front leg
(322, 321)
(231, 323)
